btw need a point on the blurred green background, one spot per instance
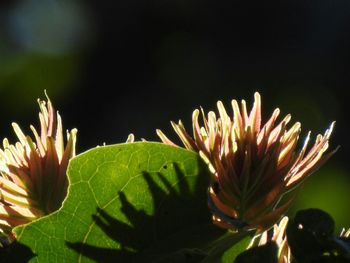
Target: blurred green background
(116, 67)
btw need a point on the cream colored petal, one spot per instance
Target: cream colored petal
(59, 141)
(163, 138)
(19, 133)
(11, 186)
(245, 119)
(40, 145)
(255, 114)
(185, 138)
(237, 119)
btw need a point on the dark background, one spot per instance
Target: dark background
(116, 67)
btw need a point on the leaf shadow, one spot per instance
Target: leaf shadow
(16, 253)
(145, 235)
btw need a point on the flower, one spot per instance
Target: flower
(252, 166)
(345, 233)
(276, 234)
(335, 246)
(33, 179)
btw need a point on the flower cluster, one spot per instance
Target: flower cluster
(252, 165)
(33, 179)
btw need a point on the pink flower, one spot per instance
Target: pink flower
(33, 179)
(252, 165)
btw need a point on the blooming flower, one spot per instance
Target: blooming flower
(252, 166)
(33, 178)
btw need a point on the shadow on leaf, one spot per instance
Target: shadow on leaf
(179, 222)
(16, 253)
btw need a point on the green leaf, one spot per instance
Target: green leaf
(267, 253)
(231, 254)
(228, 247)
(125, 201)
